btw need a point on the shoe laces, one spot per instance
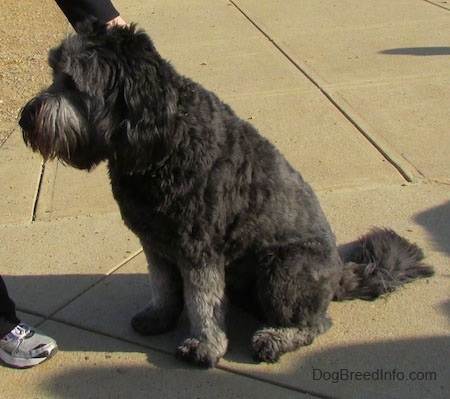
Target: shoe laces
(19, 334)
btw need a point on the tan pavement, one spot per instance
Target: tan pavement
(356, 95)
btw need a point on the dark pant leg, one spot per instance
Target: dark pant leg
(8, 317)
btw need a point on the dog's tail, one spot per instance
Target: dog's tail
(378, 263)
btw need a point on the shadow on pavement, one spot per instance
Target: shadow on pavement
(108, 354)
(414, 368)
(437, 222)
(418, 51)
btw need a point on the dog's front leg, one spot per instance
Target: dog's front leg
(166, 297)
(204, 297)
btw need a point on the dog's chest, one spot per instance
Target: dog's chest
(141, 201)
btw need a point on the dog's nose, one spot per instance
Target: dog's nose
(36, 131)
(28, 120)
(61, 82)
(28, 116)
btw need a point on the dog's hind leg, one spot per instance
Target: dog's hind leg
(166, 297)
(204, 296)
(294, 288)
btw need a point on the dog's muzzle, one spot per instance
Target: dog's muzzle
(52, 126)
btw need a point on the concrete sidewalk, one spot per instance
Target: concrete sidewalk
(356, 95)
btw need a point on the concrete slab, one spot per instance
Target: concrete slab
(67, 192)
(364, 54)
(393, 58)
(45, 265)
(233, 68)
(343, 42)
(91, 365)
(194, 22)
(20, 172)
(313, 16)
(411, 118)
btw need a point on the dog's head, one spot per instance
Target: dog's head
(111, 98)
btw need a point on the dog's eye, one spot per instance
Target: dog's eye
(68, 81)
(53, 57)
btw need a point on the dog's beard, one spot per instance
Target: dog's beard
(53, 126)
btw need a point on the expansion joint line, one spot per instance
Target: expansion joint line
(38, 192)
(437, 5)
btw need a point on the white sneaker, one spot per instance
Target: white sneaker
(26, 347)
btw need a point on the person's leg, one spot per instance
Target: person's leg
(8, 317)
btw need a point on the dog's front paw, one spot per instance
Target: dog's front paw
(201, 353)
(151, 321)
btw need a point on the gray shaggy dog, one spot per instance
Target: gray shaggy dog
(219, 211)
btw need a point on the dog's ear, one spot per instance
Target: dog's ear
(149, 106)
(147, 135)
